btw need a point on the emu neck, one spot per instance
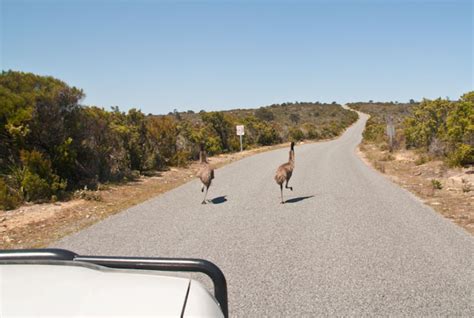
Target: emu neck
(292, 158)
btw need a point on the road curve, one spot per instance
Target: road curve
(348, 242)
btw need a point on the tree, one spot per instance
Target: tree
(445, 126)
(220, 125)
(40, 112)
(427, 122)
(163, 134)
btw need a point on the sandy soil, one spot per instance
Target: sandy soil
(455, 199)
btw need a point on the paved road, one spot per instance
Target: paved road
(347, 242)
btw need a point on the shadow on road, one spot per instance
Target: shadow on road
(219, 200)
(298, 199)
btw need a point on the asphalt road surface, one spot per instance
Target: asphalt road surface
(348, 242)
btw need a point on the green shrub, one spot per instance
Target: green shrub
(234, 143)
(327, 132)
(374, 131)
(132, 175)
(35, 188)
(221, 125)
(37, 180)
(213, 146)
(180, 159)
(267, 135)
(311, 131)
(462, 155)
(34, 162)
(296, 134)
(9, 199)
(313, 134)
(264, 114)
(436, 184)
(444, 128)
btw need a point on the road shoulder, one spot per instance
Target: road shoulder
(449, 191)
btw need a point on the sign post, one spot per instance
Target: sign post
(390, 133)
(240, 133)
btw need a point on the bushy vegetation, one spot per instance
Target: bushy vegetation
(267, 125)
(438, 128)
(51, 145)
(380, 114)
(444, 128)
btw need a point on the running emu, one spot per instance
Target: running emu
(285, 171)
(206, 173)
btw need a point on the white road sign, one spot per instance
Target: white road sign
(240, 130)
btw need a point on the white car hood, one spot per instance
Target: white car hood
(77, 291)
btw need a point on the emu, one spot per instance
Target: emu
(206, 172)
(285, 171)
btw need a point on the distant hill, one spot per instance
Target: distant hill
(382, 111)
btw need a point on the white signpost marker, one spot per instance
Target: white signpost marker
(240, 132)
(390, 132)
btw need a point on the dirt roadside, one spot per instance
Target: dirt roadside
(449, 191)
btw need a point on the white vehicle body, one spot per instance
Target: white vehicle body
(81, 289)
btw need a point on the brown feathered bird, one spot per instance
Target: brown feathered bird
(285, 171)
(206, 172)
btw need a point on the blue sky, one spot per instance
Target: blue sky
(212, 55)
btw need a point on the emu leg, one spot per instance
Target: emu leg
(286, 186)
(281, 191)
(205, 195)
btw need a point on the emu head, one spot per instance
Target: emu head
(292, 145)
